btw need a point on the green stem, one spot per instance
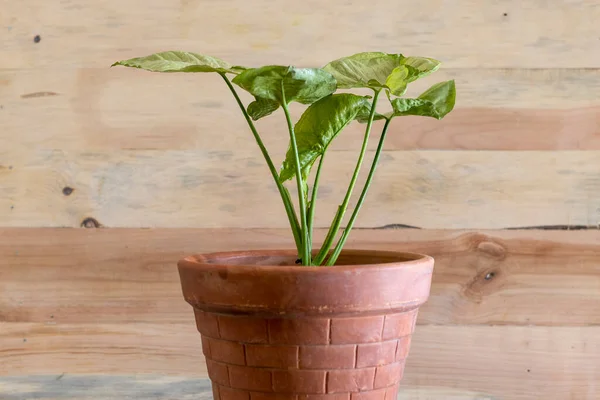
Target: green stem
(291, 213)
(338, 220)
(285, 195)
(306, 256)
(313, 200)
(361, 199)
(318, 260)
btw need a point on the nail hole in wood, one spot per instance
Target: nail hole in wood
(67, 190)
(90, 223)
(37, 39)
(489, 275)
(505, 14)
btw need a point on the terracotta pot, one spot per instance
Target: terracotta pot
(273, 330)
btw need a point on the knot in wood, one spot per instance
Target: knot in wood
(492, 249)
(90, 223)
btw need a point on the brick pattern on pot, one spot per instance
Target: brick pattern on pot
(243, 329)
(350, 380)
(274, 356)
(328, 357)
(349, 358)
(357, 330)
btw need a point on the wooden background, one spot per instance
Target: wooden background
(108, 176)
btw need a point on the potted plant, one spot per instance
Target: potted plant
(311, 323)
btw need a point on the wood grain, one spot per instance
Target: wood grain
(465, 33)
(500, 362)
(96, 348)
(104, 387)
(97, 314)
(205, 189)
(119, 276)
(106, 109)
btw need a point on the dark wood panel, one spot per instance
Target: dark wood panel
(527, 277)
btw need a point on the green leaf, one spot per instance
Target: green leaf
(364, 70)
(180, 61)
(397, 81)
(238, 69)
(421, 66)
(304, 85)
(436, 102)
(365, 111)
(377, 70)
(412, 68)
(317, 127)
(260, 108)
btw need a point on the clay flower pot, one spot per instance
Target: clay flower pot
(274, 330)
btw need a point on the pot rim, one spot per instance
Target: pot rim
(213, 282)
(403, 259)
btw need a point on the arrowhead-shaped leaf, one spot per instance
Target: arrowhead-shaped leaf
(180, 61)
(412, 68)
(421, 66)
(397, 82)
(363, 70)
(436, 102)
(317, 127)
(304, 85)
(377, 70)
(260, 108)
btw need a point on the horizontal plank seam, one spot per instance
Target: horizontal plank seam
(383, 227)
(538, 227)
(185, 324)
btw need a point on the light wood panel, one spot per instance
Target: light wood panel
(464, 33)
(107, 109)
(504, 363)
(111, 349)
(428, 189)
(87, 313)
(57, 276)
(501, 362)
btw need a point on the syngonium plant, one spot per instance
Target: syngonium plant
(327, 114)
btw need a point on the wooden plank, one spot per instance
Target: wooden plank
(193, 188)
(504, 363)
(155, 387)
(108, 109)
(497, 362)
(95, 348)
(104, 387)
(491, 34)
(118, 276)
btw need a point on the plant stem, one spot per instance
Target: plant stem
(328, 238)
(335, 226)
(306, 256)
(285, 195)
(313, 200)
(361, 199)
